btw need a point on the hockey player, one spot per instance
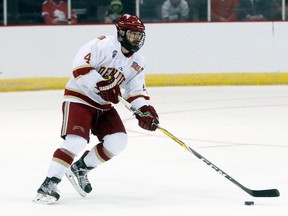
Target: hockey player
(103, 68)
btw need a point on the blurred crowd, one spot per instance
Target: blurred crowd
(108, 11)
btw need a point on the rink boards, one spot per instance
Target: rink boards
(29, 84)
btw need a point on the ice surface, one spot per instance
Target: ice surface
(243, 130)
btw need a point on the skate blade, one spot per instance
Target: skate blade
(44, 199)
(71, 177)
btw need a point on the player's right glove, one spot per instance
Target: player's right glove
(149, 118)
(109, 90)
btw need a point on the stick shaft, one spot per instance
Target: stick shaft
(254, 193)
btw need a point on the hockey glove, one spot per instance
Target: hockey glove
(109, 90)
(149, 119)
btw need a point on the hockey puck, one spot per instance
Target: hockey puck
(249, 203)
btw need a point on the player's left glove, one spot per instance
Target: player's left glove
(149, 119)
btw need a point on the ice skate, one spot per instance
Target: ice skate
(48, 193)
(77, 175)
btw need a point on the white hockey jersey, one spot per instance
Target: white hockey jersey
(99, 59)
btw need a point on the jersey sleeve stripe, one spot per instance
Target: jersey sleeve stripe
(81, 71)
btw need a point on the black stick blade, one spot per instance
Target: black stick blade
(264, 193)
(254, 193)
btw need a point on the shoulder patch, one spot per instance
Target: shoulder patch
(114, 53)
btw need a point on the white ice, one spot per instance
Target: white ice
(242, 130)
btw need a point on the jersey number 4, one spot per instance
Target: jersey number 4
(88, 58)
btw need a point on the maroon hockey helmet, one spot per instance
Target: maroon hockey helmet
(133, 23)
(130, 22)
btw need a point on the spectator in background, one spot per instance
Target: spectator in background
(254, 10)
(115, 11)
(224, 10)
(56, 12)
(175, 10)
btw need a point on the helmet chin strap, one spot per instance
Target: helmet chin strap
(126, 52)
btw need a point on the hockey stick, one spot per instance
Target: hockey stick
(254, 193)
